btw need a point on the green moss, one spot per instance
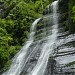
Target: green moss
(6, 67)
(71, 5)
(70, 64)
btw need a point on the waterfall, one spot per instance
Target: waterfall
(20, 58)
(49, 49)
(48, 46)
(41, 51)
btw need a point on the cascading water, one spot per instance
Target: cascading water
(41, 51)
(20, 58)
(33, 58)
(48, 46)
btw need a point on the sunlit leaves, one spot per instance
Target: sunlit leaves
(73, 13)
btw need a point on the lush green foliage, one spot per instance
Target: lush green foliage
(71, 11)
(67, 9)
(15, 21)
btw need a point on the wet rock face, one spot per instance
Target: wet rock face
(50, 67)
(66, 50)
(33, 59)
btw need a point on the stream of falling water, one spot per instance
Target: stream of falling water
(48, 46)
(20, 58)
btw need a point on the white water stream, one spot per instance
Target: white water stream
(20, 58)
(48, 46)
